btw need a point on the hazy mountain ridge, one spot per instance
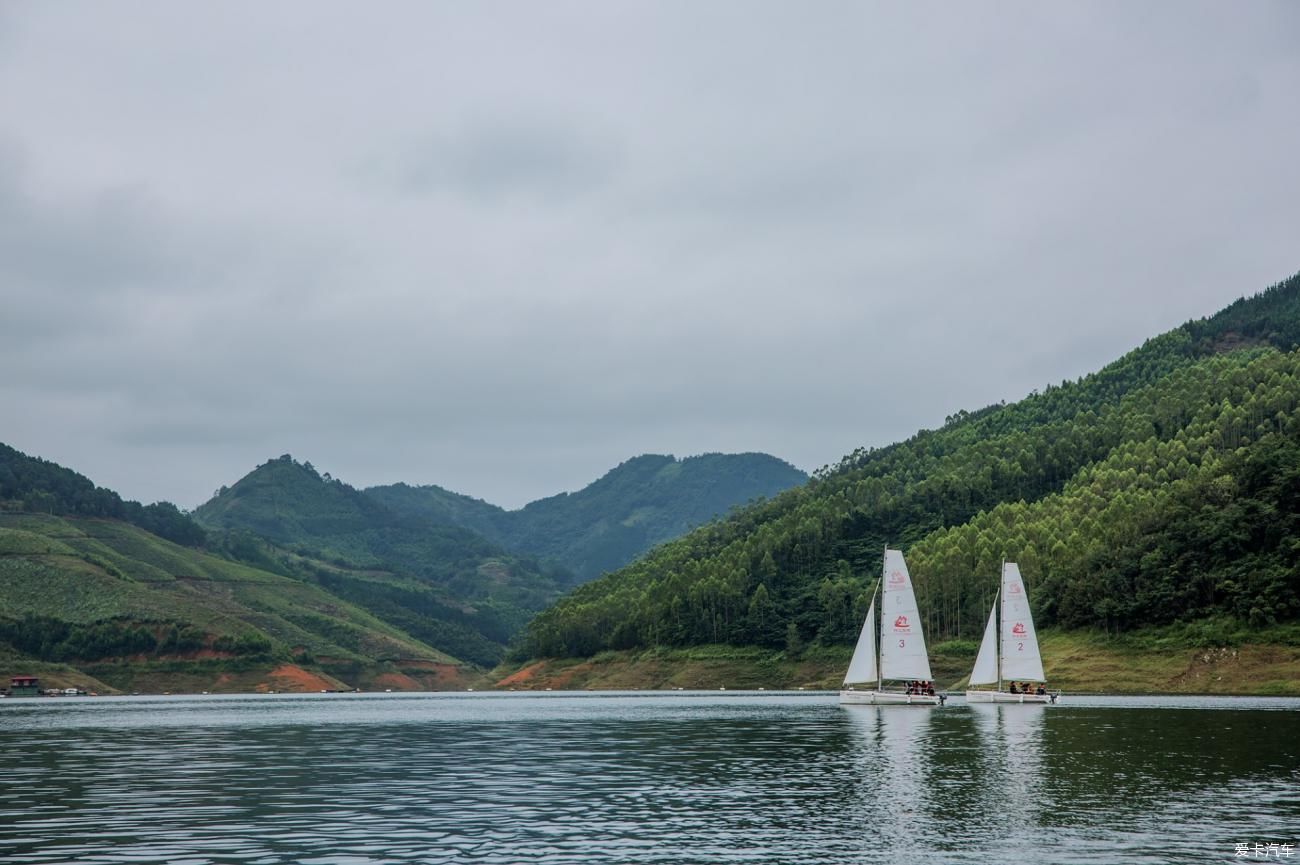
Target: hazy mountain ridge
(451, 586)
(454, 584)
(436, 504)
(640, 503)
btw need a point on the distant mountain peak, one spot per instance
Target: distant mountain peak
(642, 501)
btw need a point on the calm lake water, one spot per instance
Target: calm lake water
(644, 778)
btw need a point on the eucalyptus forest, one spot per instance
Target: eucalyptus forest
(1163, 489)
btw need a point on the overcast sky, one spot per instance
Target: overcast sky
(502, 247)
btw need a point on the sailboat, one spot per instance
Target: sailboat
(1012, 652)
(901, 653)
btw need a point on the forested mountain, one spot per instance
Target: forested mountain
(640, 503)
(1162, 488)
(444, 507)
(443, 584)
(435, 563)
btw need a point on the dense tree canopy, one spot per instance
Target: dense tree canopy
(1158, 489)
(40, 486)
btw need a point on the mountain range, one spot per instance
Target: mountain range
(1156, 500)
(643, 502)
(292, 570)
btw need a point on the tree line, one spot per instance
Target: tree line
(40, 486)
(50, 639)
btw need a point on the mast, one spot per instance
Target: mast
(880, 638)
(1002, 575)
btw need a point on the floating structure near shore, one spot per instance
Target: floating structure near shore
(30, 686)
(24, 686)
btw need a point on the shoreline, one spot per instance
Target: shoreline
(954, 697)
(1074, 663)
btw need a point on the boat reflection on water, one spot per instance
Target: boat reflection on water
(1012, 753)
(893, 774)
(939, 782)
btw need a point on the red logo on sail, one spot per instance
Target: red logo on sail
(900, 624)
(1014, 589)
(896, 578)
(1018, 629)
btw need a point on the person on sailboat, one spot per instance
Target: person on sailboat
(1014, 689)
(1042, 689)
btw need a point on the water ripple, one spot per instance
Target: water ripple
(337, 780)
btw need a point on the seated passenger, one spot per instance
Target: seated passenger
(1014, 689)
(1042, 689)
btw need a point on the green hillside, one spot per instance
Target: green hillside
(108, 600)
(642, 502)
(434, 563)
(1161, 490)
(443, 584)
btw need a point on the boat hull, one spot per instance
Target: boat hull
(887, 698)
(1004, 697)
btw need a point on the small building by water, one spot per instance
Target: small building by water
(24, 686)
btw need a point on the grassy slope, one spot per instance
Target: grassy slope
(85, 571)
(1074, 661)
(101, 569)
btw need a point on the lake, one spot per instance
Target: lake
(645, 778)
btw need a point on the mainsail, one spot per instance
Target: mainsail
(986, 662)
(863, 666)
(902, 645)
(1020, 658)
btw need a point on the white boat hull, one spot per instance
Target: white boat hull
(1004, 697)
(887, 698)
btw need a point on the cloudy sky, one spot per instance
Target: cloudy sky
(502, 247)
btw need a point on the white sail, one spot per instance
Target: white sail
(986, 662)
(1021, 661)
(902, 645)
(863, 666)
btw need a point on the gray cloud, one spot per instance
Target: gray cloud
(504, 248)
(497, 161)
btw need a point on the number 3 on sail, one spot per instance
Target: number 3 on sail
(901, 656)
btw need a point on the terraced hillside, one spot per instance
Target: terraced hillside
(107, 600)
